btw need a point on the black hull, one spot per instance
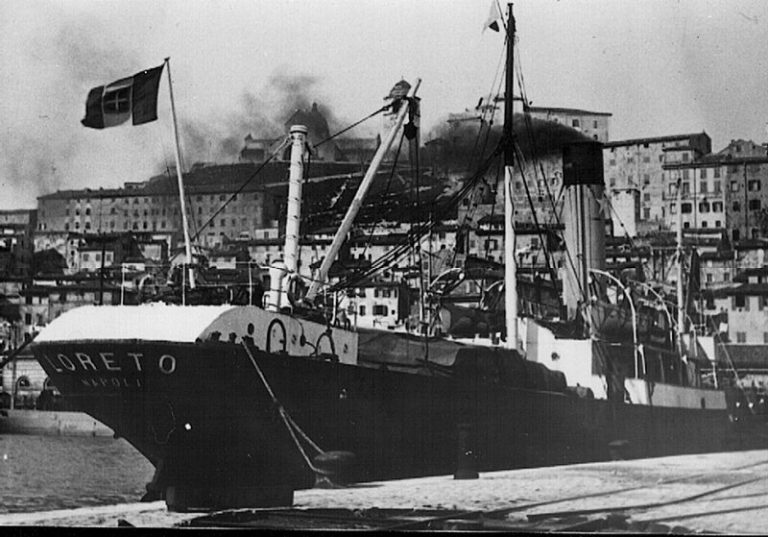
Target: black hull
(202, 416)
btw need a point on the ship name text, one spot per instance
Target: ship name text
(107, 362)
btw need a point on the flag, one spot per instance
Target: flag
(494, 17)
(134, 98)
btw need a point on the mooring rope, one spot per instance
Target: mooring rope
(289, 422)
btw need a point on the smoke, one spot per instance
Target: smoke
(262, 115)
(42, 101)
(53, 56)
(464, 144)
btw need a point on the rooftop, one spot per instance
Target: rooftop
(654, 139)
(572, 111)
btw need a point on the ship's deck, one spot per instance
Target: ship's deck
(721, 492)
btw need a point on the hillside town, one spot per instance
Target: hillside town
(124, 245)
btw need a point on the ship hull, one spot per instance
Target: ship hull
(202, 414)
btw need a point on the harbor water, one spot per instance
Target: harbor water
(39, 473)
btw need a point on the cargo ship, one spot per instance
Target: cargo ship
(240, 406)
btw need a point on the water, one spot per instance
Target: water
(41, 473)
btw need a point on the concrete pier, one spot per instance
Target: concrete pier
(721, 492)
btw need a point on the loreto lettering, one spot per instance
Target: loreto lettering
(77, 362)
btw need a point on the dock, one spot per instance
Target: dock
(719, 493)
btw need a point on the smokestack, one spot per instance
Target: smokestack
(584, 219)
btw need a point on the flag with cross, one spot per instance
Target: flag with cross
(133, 98)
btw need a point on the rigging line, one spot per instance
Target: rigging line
(397, 253)
(492, 96)
(490, 124)
(241, 187)
(547, 258)
(493, 207)
(355, 124)
(386, 192)
(531, 138)
(607, 201)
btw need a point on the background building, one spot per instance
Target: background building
(635, 182)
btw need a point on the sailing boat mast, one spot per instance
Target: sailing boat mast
(510, 269)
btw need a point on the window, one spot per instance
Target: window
(741, 337)
(734, 186)
(612, 181)
(575, 123)
(685, 174)
(686, 188)
(703, 207)
(754, 205)
(646, 213)
(594, 124)
(362, 310)
(703, 173)
(646, 179)
(685, 158)
(686, 208)
(717, 206)
(736, 206)
(646, 158)
(646, 197)
(703, 187)
(754, 185)
(612, 162)
(718, 223)
(379, 310)
(739, 301)
(717, 172)
(86, 257)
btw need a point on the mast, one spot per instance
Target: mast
(680, 301)
(293, 215)
(357, 202)
(177, 153)
(280, 272)
(510, 267)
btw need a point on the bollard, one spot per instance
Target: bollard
(466, 464)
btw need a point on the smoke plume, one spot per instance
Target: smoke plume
(263, 115)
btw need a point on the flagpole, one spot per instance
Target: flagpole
(177, 151)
